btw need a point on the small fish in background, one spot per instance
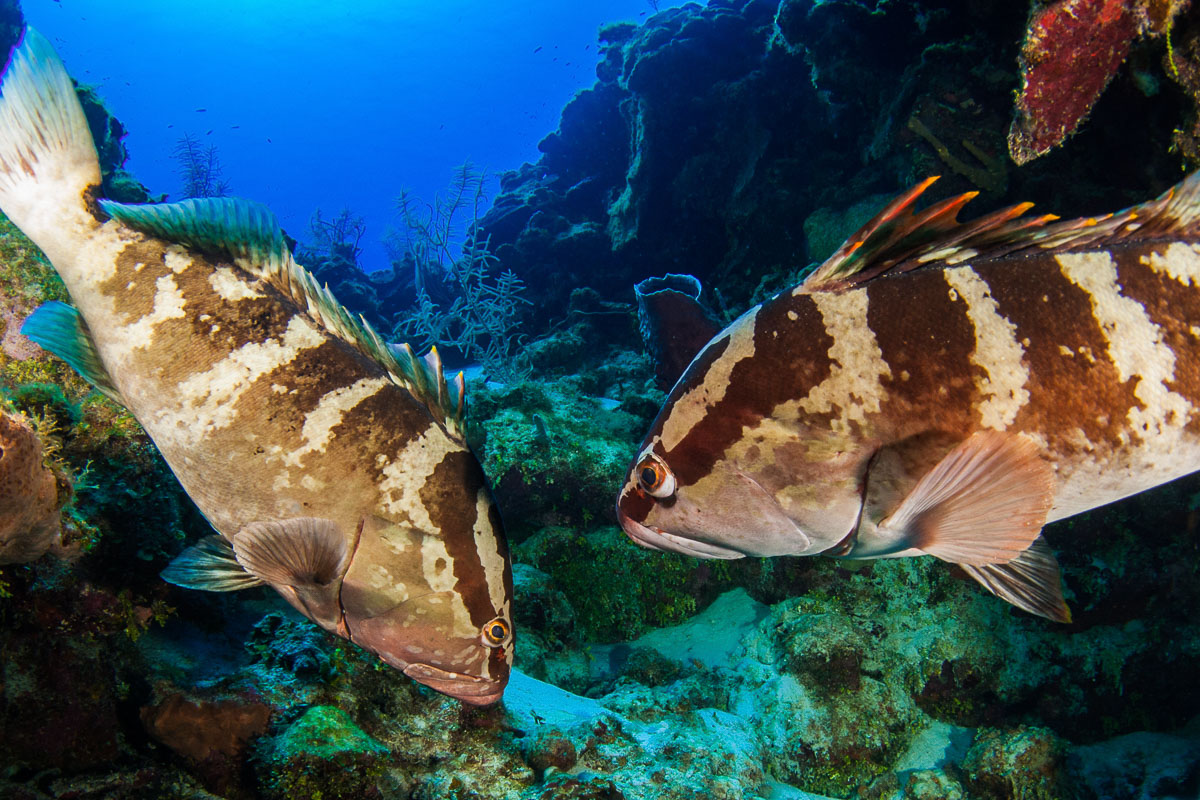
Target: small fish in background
(332, 466)
(939, 388)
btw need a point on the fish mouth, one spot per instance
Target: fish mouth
(658, 539)
(467, 688)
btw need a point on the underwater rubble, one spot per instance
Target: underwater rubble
(638, 674)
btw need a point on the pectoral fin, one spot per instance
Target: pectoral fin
(304, 554)
(304, 559)
(1031, 582)
(60, 328)
(984, 503)
(301, 553)
(209, 566)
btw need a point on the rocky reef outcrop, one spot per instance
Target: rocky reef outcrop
(713, 134)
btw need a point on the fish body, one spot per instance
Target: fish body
(943, 389)
(332, 466)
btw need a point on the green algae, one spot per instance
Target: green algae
(618, 590)
(24, 271)
(325, 732)
(323, 755)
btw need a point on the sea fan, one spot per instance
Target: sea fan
(200, 168)
(482, 319)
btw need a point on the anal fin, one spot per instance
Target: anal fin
(1031, 582)
(985, 502)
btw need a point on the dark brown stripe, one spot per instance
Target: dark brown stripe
(634, 504)
(450, 496)
(791, 356)
(138, 301)
(1066, 393)
(188, 345)
(497, 665)
(927, 340)
(386, 422)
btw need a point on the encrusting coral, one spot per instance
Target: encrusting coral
(1071, 51)
(30, 494)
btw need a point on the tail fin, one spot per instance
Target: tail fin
(47, 157)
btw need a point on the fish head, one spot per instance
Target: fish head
(781, 492)
(725, 513)
(434, 600)
(421, 637)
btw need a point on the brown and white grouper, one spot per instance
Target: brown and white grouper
(332, 466)
(939, 388)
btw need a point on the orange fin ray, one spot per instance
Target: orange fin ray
(898, 240)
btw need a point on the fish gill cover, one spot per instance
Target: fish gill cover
(741, 142)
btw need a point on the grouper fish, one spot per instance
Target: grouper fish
(332, 465)
(939, 388)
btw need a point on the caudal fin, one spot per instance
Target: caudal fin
(47, 157)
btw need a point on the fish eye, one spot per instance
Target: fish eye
(654, 477)
(496, 632)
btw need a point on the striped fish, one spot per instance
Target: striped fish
(332, 466)
(939, 388)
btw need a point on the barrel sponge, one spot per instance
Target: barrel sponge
(30, 522)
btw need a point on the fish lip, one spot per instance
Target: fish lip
(658, 539)
(467, 688)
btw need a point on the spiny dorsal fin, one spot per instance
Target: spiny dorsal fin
(249, 235)
(899, 239)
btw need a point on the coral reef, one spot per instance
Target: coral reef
(698, 149)
(553, 450)
(739, 142)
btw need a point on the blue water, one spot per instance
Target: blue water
(327, 105)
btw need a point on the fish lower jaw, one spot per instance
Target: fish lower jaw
(658, 539)
(467, 688)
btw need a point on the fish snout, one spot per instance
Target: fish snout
(635, 530)
(656, 538)
(422, 637)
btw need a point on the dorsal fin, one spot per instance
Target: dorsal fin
(248, 234)
(899, 239)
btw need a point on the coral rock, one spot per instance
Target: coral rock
(552, 750)
(1022, 763)
(29, 495)
(200, 729)
(211, 735)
